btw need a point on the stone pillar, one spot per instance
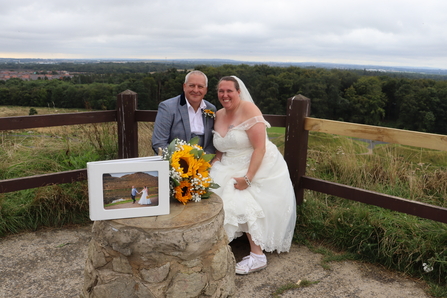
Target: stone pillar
(183, 254)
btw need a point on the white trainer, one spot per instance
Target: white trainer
(251, 264)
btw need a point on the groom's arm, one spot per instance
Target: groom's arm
(162, 127)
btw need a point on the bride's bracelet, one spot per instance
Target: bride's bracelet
(247, 180)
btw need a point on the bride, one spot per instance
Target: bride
(144, 200)
(255, 186)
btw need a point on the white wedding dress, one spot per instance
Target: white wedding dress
(144, 200)
(267, 209)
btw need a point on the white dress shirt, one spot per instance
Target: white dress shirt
(196, 119)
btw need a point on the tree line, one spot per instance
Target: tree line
(396, 100)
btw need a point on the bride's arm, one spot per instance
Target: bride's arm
(257, 137)
(217, 157)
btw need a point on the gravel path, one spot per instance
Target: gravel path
(50, 264)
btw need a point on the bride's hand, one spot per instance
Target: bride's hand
(214, 160)
(240, 183)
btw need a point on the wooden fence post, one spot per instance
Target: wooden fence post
(127, 125)
(295, 149)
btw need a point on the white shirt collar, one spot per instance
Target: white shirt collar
(201, 107)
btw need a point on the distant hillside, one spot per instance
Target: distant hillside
(162, 64)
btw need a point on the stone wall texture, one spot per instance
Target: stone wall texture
(183, 254)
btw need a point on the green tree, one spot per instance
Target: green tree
(407, 105)
(367, 101)
(150, 87)
(440, 111)
(5, 96)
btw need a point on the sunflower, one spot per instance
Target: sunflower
(201, 167)
(183, 192)
(183, 162)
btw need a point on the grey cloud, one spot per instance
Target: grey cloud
(392, 31)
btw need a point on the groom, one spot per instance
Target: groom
(133, 193)
(183, 116)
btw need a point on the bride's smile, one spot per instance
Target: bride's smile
(228, 95)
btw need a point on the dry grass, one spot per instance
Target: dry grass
(17, 111)
(47, 150)
(145, 130)
(14, 111)
(392, 169)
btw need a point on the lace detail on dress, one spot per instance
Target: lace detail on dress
(247, 124)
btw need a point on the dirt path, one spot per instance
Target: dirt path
(130, 205)
(50, 264)
(154, 202)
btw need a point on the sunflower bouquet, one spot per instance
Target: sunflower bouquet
(189, 167)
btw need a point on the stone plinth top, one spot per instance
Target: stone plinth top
(180, 215)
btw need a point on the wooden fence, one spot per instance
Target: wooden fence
(297, 123)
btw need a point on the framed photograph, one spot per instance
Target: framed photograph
(125, 188)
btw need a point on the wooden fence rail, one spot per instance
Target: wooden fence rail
(297, 123)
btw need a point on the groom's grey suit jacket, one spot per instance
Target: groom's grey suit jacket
(172, 122)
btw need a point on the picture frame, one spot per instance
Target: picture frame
(110, 183)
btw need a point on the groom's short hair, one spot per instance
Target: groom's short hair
(196, 72)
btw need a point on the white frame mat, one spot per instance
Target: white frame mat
(96, 170)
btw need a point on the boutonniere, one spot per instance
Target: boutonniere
(209, 113)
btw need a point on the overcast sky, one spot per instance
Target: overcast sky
(380, 32)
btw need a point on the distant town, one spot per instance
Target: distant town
(32, 75)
